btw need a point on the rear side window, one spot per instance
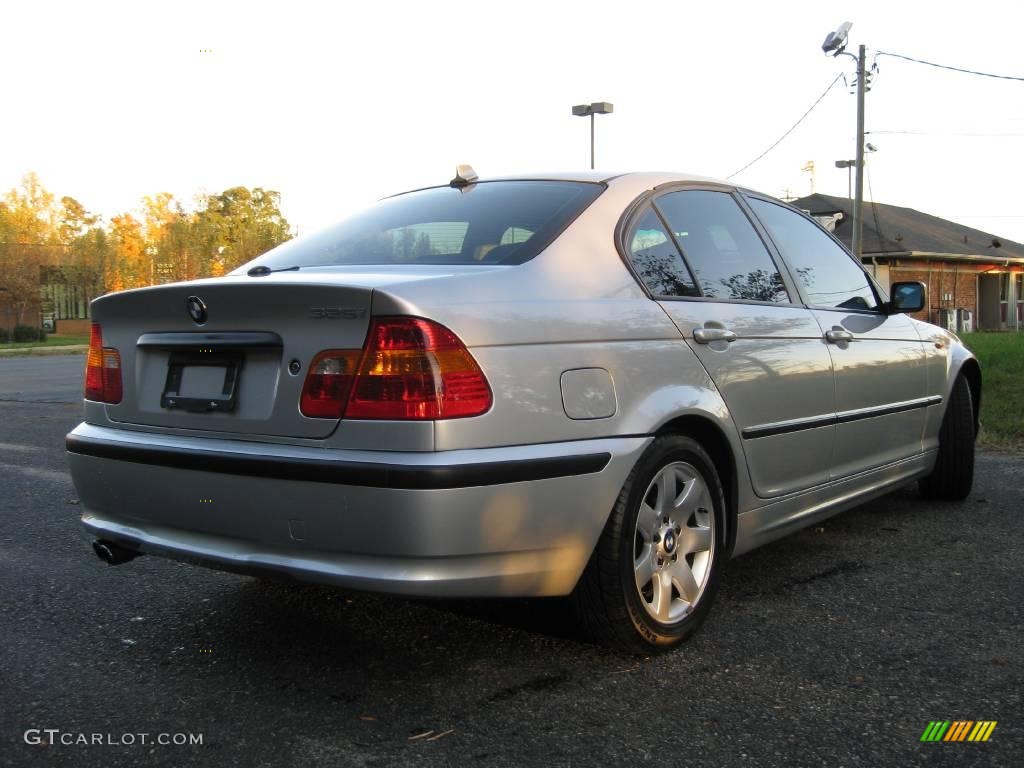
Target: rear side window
(656, 260)
(722, 247)
(496, 222)
(829, 277)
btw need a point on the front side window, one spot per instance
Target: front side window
(496, 222)
(656, 259)
(722, 246)
(830, 278)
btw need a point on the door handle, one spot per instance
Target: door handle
(837, 335)
(707, 335)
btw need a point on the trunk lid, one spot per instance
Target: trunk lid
(235, 372)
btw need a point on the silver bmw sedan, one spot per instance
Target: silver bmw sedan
(584, 384)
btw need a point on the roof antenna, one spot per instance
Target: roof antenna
(464, 176)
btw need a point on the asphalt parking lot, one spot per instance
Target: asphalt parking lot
(834, 647)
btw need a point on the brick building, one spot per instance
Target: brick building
(964, 268)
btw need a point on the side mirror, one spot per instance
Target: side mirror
(907, 297)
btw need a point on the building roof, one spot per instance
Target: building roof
(890, 229)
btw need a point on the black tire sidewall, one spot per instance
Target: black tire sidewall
(666, 450)
(953, 475)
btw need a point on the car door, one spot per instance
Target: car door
(704, 261)
(878, 358)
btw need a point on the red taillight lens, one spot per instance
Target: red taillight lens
(329, 382)
(417, 369)
(409, 369)
(102, 370)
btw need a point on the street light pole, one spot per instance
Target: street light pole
(591, 141)
(848, 165)
(858, 200)
(835, 44)
(585, 110)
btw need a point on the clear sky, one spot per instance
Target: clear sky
(337, 104)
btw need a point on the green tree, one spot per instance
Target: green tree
(239, 224)
(85, 255)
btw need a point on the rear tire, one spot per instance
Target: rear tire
(654, 573)
(953, 476)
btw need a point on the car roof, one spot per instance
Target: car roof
(632, 182)
(636, 182)
(656, 177)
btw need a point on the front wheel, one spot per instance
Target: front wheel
(654, 573)
(953, 476)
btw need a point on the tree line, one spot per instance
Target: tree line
(43, 238)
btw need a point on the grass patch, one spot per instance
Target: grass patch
(56, 340)
(1001, 356)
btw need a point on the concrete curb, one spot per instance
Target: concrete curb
(70, 349)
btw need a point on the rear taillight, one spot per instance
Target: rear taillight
(102, 370)
(409, 369)
(329, 382)
(416, 369)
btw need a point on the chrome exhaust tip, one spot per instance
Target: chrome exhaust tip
(111, 553)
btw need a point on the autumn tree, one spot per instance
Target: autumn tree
(170, 242)
(85, 254)
(164, 243)
(129, 265)
(28, 240)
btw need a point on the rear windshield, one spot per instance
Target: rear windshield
(495, 222)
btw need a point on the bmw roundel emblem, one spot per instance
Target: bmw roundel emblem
(196, 309)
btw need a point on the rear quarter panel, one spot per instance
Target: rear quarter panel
(574, 306)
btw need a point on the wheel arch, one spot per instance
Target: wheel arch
(971, 371)
(713, 440)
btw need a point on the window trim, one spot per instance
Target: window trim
(804, 297)
(640, 212)
(637, 208)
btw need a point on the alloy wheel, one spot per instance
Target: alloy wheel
(674, 542)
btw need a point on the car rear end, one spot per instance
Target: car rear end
(285, 421)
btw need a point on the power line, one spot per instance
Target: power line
(945, 66)
(791, 129)
(944, 133)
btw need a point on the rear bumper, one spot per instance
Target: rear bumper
(489, 522)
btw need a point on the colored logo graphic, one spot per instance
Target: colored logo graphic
(958, 730)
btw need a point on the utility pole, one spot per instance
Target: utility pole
(858, 200)
(835, 45)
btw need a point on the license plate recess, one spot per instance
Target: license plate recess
(202, 382)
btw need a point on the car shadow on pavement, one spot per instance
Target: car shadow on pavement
(334, 625)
